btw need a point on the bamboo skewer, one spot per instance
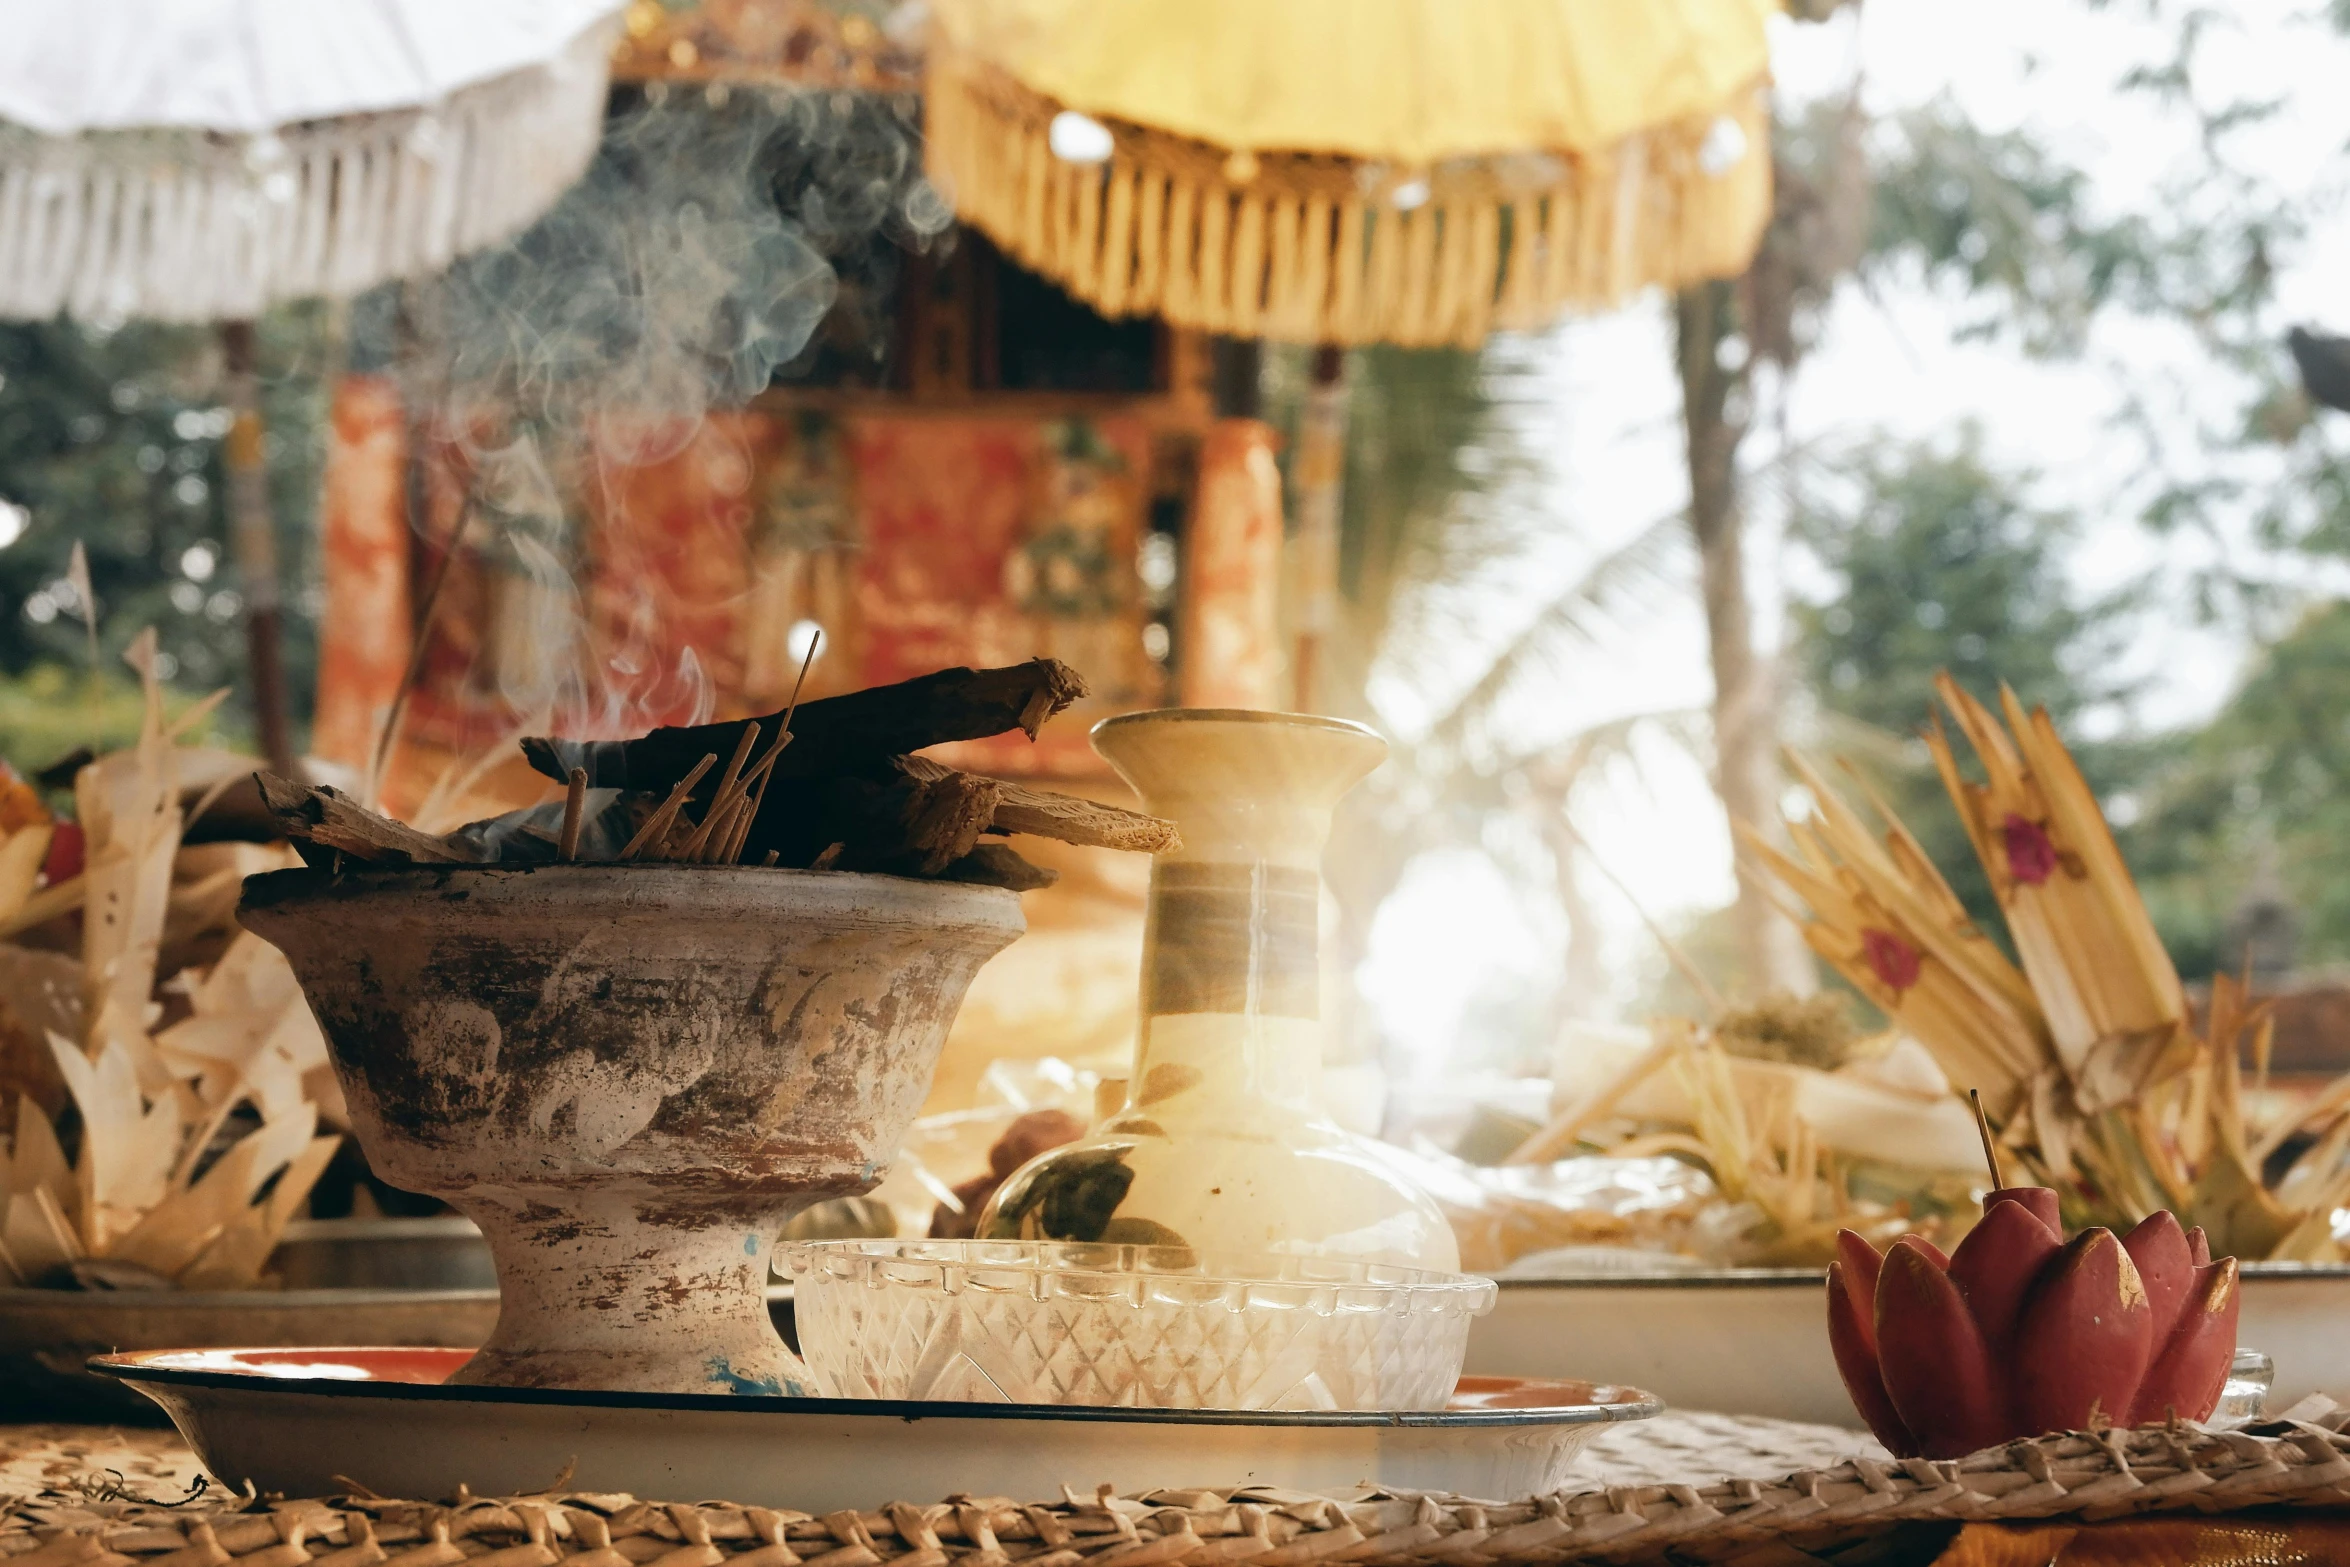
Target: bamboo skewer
(659, 822)
(574, 807)
(722, 802)
(1990, 1144)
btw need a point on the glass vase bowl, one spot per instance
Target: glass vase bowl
(1028, 1322)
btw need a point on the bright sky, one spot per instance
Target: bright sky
(1605, 406)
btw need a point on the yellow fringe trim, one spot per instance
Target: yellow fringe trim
(1313, 249)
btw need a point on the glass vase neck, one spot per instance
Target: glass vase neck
(1242, 786)
(1231, 994)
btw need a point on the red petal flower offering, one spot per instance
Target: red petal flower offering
(2021, 1331)
(66, 849)
(2031, 856)
(1890, 958)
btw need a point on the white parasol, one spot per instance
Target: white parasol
(201, 160)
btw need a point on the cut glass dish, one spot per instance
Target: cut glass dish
(1136, 1326)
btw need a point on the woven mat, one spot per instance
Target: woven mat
(1689, 1447)
(77, 1497)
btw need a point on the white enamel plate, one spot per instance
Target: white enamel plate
(306, 1422)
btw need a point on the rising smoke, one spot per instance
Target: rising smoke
(720, 242)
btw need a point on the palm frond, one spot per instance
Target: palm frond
(1577, 619)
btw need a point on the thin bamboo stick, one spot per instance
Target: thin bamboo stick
(723, 798)
(658, 823)
(574, 809)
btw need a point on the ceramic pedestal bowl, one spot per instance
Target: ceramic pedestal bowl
(630, 1077)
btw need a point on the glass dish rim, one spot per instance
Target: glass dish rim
(1087, 1259)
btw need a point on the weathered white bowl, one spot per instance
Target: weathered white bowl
(1755, 1341)
(630, 1077)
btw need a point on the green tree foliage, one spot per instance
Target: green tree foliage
(2004, 222)
(112, 439)
(1939, 564)
(2261, 792)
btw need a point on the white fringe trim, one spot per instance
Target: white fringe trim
(195, 226)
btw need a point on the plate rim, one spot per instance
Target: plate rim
(1815, 1278)
(323, 1299)
(131, 1367)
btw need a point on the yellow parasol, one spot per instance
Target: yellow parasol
(1418, 172)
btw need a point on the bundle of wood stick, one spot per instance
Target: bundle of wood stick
(832, 785)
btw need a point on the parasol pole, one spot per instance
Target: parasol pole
(253, 543)
(1321, 476)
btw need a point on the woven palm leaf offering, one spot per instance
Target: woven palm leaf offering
(167, 1079)
(633, 1031)
(1795, 1124)
(2098, 1079)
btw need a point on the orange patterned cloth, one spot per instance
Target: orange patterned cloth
(2240, 1540)
(992, 538)
(367, 631)
(673, 566)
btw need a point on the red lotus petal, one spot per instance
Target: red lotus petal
(2191, 1370)
(2031, 857)
(2083, 1340)
(1852, 1336)
(1890, 958)
(1861, 1265)
(2038, 1201)
(2199, 1247)
(1937, 1371)
(1994, 1268)
(1927, 1248)
(2166, 1265)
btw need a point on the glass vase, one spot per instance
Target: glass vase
(1222, 1144)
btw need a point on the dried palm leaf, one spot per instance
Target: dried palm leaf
(2086, 1054)
(149, 1187)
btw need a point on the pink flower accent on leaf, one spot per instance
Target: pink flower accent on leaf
(1890, 958)
(2031, 857)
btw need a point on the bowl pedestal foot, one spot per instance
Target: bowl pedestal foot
(596, 1294)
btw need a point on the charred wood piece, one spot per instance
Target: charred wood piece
(323, 817)
(1044, 814)
(838, 733)
(999, 865)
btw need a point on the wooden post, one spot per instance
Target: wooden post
(1239, 363)
(1320, 470)
(253, 544)
(1746, 754)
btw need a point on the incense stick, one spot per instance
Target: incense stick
(658, 823)
(380, 761)
(574, 807)
(716, 834)
(738, 832)
(722, 799)
(761, 774)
